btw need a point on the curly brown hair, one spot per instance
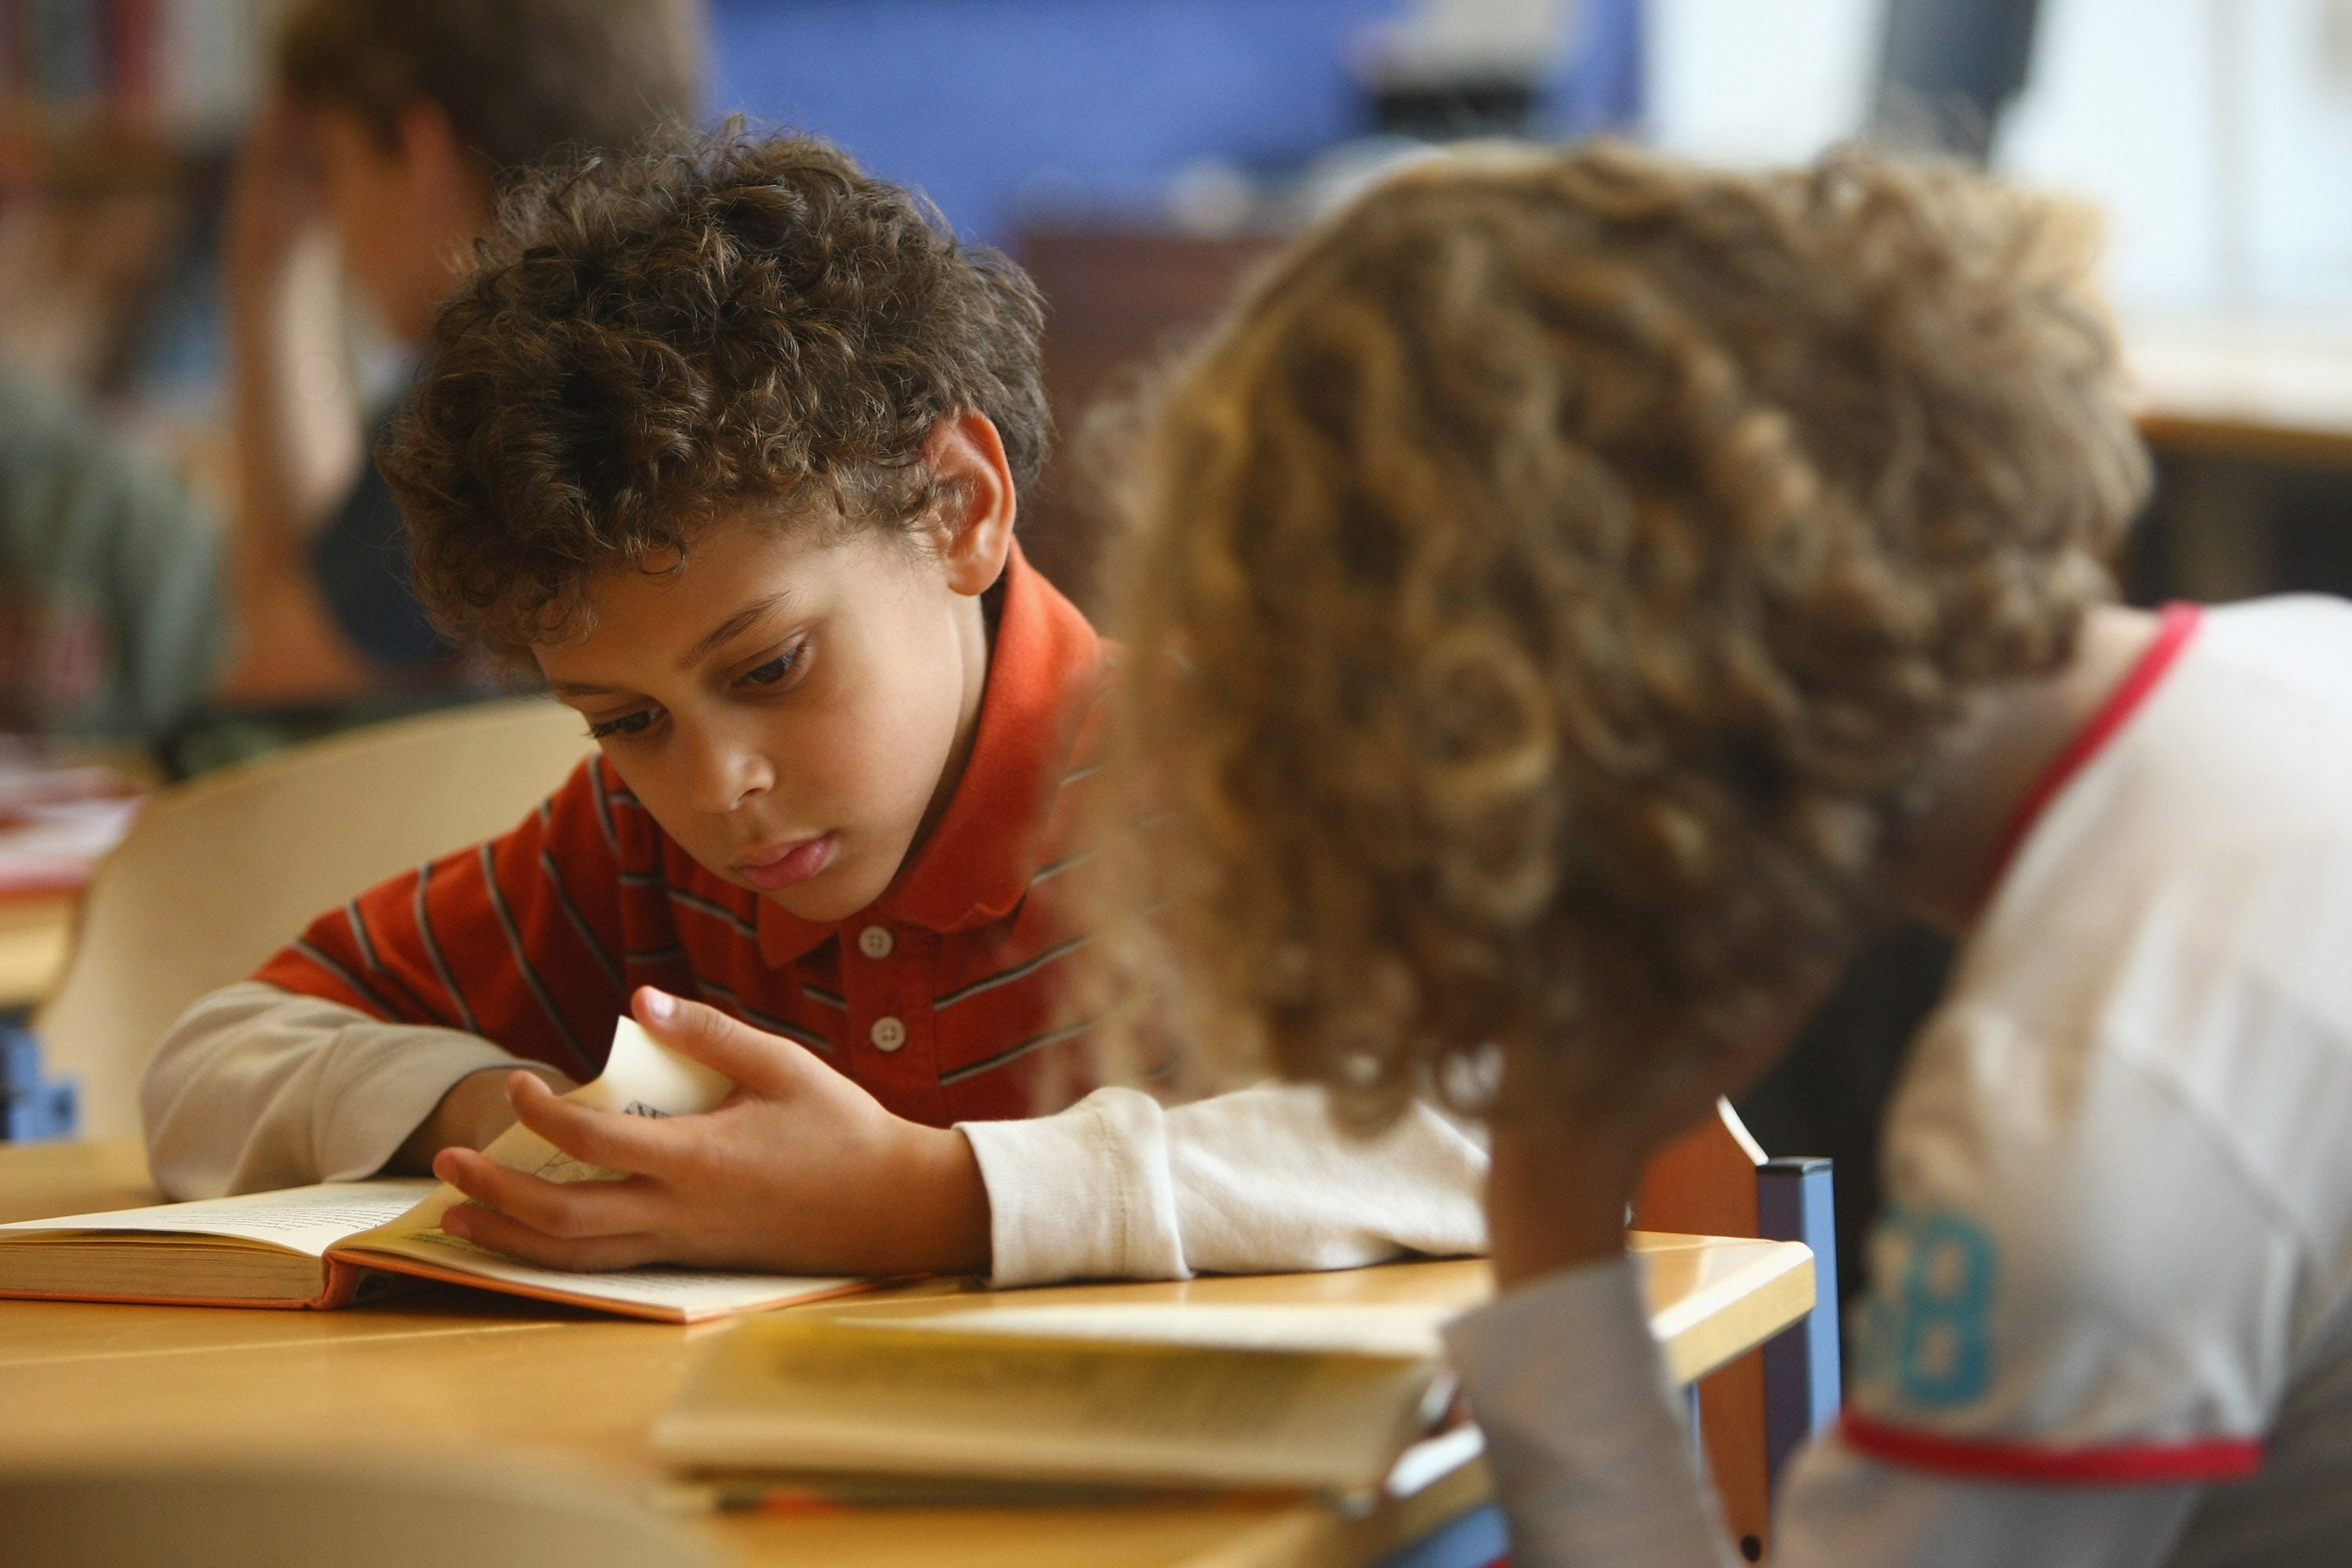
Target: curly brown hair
(1551, 593)
(721, 322)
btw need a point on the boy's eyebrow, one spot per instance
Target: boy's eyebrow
(731, 626)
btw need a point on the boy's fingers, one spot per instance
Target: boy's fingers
(488, 1227)
(570, 1210)
(636, 1143)
(766, 1063)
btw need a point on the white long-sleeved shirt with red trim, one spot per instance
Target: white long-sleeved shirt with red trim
(2110, 1315)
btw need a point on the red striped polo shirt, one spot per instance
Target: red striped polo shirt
(940, 998)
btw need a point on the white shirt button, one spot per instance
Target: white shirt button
(887, 1033)
(874, 942)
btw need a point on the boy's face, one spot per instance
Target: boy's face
(792, 706)
(404, 213)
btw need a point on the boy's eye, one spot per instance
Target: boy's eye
(627, 724)
(774, 671)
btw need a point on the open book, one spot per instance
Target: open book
(341, 1242)
(1292, 1398)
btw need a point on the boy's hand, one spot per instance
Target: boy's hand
(473, 1111)
(276, 195)
(799, 1172)
(1562, 1175)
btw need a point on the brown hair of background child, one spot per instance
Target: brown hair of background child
(725, 319)
(1551, 589)
(518, 78)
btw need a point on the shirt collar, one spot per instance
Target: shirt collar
(1043, 673)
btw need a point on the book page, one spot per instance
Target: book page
(641, 1077)
(307, 1220)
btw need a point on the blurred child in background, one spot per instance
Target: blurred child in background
(393, 121)
(124, 607)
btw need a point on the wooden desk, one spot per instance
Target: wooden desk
(2245, 389)
(455, 1371)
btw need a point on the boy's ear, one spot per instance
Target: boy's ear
(973, 537)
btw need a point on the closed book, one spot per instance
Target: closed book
(1187, 1397)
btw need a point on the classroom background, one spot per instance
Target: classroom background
(1139, 157)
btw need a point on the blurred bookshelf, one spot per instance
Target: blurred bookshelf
(164, 70)
(119, 120)
(101, 99)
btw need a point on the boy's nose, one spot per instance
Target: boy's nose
(725, 773)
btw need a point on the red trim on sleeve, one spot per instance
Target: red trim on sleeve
(2175, 626)
(2125, 1464)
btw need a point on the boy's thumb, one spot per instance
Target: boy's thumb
(754, 1059)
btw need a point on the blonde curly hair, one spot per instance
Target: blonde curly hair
(1549, 593)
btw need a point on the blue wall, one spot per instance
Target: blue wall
(978, 102)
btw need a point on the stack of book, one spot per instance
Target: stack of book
(980, 1401)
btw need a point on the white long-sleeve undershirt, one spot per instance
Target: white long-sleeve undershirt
(258, 1087)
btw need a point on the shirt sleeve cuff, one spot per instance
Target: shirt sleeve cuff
(391, 1092)
(257, 1088)
(1592, 1461)
(1085, 1195)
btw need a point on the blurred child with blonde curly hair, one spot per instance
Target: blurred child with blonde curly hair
(1575, 599)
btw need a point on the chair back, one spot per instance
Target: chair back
(1755, 1413)
(219, 873)
(392, 1513)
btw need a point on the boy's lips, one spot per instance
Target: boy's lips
(782, 865)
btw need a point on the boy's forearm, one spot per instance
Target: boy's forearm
(1554, 1203)
(945, 1221)
(1253, 1181)
(257, 1088)
(295, 421)
(295, 437)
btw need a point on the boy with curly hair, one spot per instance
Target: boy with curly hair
(726, 442)
(1577, 598)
